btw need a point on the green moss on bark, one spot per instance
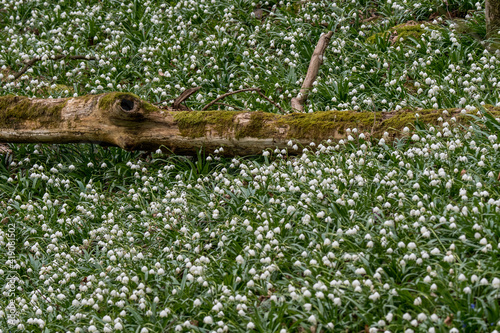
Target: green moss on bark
(258, 126)
(148, 107)
(322, 124)
(194, 123)
(17, 109)
(107, 101)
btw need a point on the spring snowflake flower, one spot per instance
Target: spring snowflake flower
(240, 260)
(361, 271)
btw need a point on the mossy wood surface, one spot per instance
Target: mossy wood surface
(124, 120)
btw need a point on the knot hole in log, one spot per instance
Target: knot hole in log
(126, 107)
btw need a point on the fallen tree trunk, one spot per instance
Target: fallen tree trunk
(124, 120)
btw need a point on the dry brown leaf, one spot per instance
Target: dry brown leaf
(463, 172)
(449, 320)
(4, 149)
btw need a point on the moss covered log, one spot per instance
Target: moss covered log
(124, 120)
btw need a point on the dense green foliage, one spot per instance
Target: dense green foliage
(157, 49)
(347, 236)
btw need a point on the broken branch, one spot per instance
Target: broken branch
(229, 106)
(270, 101)
(182, 97)
(227, 94)
(312, 72)
(57, 57)
(258, 90)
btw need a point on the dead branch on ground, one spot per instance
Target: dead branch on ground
(312, 72)
(56, 57)
(182, 97)
(258, 90)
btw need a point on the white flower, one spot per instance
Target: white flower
(375, 296)
(435, 251)
(208, 320)
(360, 271)
(240, 260)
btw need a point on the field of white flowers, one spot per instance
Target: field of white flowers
(350, 236)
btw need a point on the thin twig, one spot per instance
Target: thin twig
(57, 57)
(258, 90)
(371, 18)
(271, 101)
(227, 94)
(40, 293)
(228, 105)
(182, 97)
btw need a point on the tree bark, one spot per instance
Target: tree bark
(492, 12)
(124, 120)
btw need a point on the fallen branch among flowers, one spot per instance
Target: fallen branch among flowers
(56, 57)
(312, 71)
(123, 120)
